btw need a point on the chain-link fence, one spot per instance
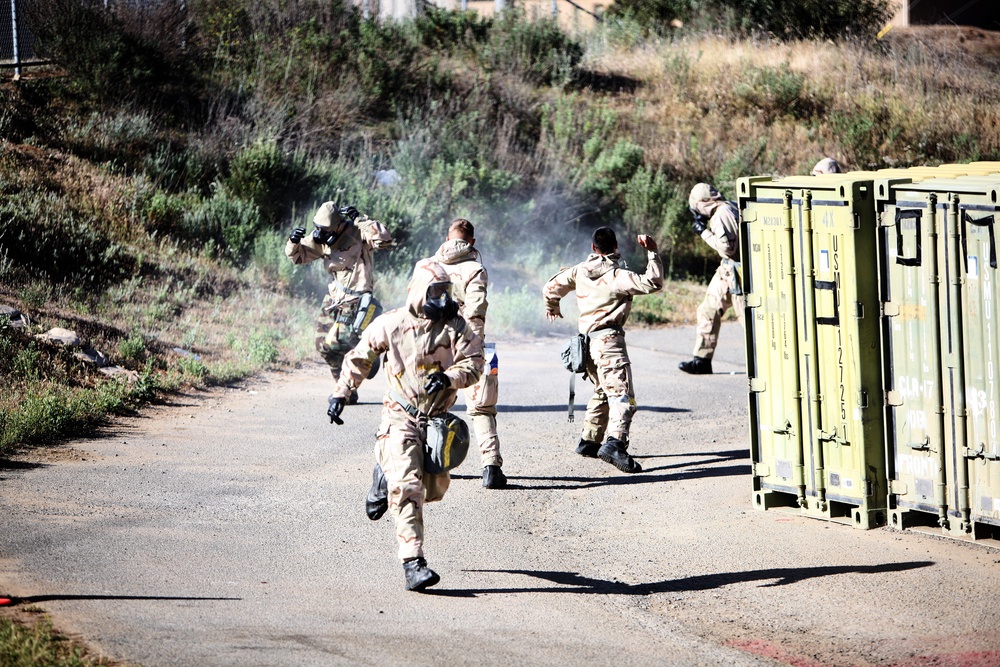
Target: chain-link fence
(17, 43)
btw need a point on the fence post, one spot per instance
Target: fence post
(13, 27)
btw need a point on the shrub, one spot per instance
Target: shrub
(774, 92)
(538, 51)
(224, 222)
(43, 237)
(130, 53)
(271, 179)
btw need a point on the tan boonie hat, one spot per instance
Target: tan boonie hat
(703, 192)
(328, 216)
(826, 166)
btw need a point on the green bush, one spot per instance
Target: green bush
(785, 19)
(272, 179)
(774, 92)
(224, 222)
(42, 237)
(538, 51)
(133, 53)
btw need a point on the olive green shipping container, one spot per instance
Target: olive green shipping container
(813, 353)
(938, 286)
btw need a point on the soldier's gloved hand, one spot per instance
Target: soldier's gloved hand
(336, 407)
(350, 212)
(436, 382)
(297, 234)
(698, 226)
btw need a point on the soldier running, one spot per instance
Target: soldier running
(430, 352)
(604, 291)
(717, 222)
(345, 241)
(469, 281)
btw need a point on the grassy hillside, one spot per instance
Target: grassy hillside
(149, 179)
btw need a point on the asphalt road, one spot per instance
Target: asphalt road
(228, 529)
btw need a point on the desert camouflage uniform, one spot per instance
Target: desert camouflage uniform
(604, 296)
(350, 261)
(469, 280)
(722, 233)
(414, 347)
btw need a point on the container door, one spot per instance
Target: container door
(772, 354)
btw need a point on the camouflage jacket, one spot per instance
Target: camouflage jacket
(603, 290)
(414, 347)
(349, 260)
(469, 280)
(723, 230)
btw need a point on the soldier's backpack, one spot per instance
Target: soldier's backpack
(574, 358)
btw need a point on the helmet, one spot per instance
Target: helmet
(447, 443)
(826, 166)
(703, 192)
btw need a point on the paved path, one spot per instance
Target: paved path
(228, 529)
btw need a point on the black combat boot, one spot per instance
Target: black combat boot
(353, 398)
(493, 477)
(613, 451)
(588, 448)
(418, 575)
(377, 501)
(697, 366)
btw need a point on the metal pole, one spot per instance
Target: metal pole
(13, 25)
(366, 9)
(555, 10)
(465, 5)
(499, 6)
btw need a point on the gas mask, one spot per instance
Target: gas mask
(439, 304)
(324, 236)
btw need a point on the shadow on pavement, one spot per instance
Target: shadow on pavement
(581, 409)
(570, 483)
(50, 598)
(571, 582)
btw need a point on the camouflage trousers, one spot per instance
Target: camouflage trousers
(335, 333)
(718, 299)
(610, 409)
(481, 408)
(399, 450)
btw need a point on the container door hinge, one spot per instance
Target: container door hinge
(757, 385)
(893, 398)
(890, 309)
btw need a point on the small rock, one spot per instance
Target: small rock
(186, 353)
(93, 357)
(18, 320)
(118, 371)
(60, 336)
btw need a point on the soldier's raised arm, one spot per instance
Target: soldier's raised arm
(374, 232)
(630, 282)
(722, 231)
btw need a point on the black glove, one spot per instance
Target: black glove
(297, 234)
(436, 382)
(350, 213)
(699, 224)
(336, 407)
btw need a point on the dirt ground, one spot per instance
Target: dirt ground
(227, 529)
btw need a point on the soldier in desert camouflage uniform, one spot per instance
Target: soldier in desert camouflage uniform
(717, 221)
(469, 280)
(604, 293)
(430, 352)
(346, 244)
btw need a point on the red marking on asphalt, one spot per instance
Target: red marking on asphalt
(775, 652)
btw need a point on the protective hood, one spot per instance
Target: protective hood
(328, 216)
(454, 251)
(597, 265)
(425, 273)
(704, 199)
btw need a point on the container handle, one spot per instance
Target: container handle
(916, 214)
(832, 286)
(987, 222)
